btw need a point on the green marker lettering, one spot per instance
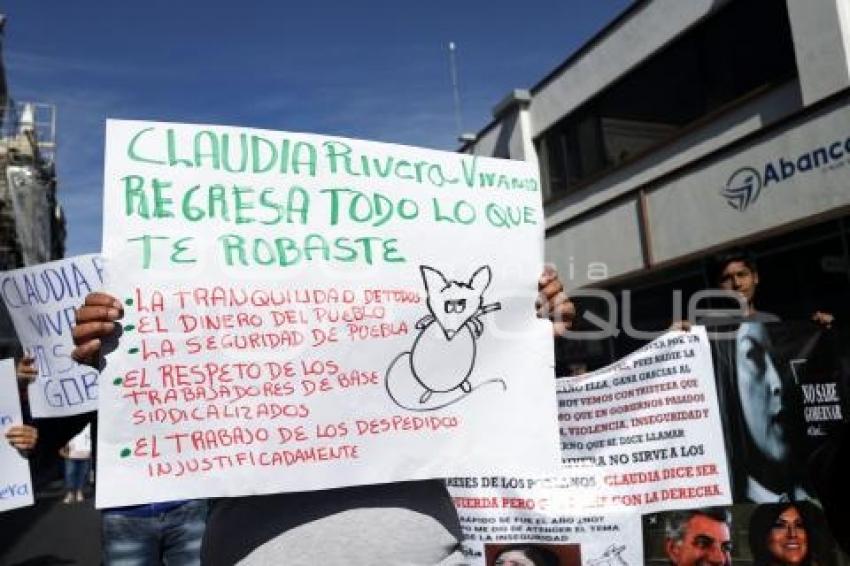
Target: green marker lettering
(179, 248)
(257, 164)
(211, 152)
(304, 154)
(233, 244)
(131, 149)
(135, 199)
(171, 142)
(225, 153)
(161, 204)
(241, 204)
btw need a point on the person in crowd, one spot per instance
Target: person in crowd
(411, 522)
(77, 454)
(787, 534)
(525, 555)
(759, 392)
(699, 537)
(736, 271)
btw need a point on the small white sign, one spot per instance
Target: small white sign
(15, 480)
(41, 300)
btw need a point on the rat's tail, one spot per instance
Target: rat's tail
(408, 393)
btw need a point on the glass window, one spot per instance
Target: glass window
(744, 47)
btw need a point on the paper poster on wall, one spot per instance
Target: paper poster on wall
(305, 312)
(15, 479)
(41, 300)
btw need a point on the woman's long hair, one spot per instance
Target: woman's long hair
(763, 519)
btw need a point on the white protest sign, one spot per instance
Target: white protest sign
(41, 300)
(500, 512)
(646, 431)
(15, 481)
(639, 436)
(306, 312)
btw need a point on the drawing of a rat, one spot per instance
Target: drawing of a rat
(443, 355)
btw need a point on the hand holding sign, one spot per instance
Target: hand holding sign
(22, 437)
(26, 370)
(95, 322)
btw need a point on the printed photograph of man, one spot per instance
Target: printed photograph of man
(699, 537)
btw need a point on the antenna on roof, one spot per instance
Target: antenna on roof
(455, 90)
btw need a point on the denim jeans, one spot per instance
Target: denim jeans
(172, 538)
(76, 472)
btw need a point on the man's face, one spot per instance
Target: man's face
(706, 542)
(762, 393)
(736, 276)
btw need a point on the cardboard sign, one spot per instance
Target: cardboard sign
(41, 300)
(306, 312)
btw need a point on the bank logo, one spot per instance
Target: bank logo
(743, 188)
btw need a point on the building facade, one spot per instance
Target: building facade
(686, 128)
(32, 224)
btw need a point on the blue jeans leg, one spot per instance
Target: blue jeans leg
(130, 541)
(75, 473)
(182, 533)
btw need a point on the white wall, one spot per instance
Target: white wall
(821, 31)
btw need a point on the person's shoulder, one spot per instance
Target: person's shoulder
(724, 318)
(762, 316)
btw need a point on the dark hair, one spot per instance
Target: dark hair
(674, 526)
(539, 555)
(721, 260)
(764, 518)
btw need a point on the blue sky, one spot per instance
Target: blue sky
(371, 69)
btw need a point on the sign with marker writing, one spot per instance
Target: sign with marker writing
(15, 481)
(306, 312)
(41, 300)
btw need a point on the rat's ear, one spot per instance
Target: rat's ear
(433, 279)
(480, 280)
